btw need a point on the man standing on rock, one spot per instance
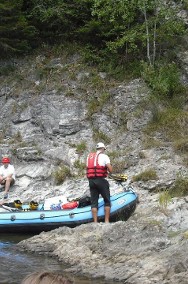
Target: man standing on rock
(7, 175)
(98, 166)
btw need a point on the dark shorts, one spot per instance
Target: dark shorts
(11, 183)
(99, 186)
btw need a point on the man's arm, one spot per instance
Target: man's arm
(109, 167)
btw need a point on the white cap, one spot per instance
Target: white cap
(100, 145)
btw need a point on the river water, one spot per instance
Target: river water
(15, 265)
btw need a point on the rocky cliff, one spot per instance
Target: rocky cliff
(53, 112)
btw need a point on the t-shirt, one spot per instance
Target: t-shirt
(7, 171)
(103, 159)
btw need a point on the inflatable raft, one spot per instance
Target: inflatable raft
(37, 219)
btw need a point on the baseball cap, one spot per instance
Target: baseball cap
(100, 145)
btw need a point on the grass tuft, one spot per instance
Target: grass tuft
(61, 174)
(147, 175)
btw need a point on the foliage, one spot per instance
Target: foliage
(16, 33)
(81, 167)
(80, 148)
(97, 104)
(115, 35)
(100, 136)
(164, 199)
(184, 4)
(180, 187)
(126, 29)
(163, 79)
(17, 138)
(143, 28)
(181, 145)
(172, 122)
(61, 174)
(147, 175)
(58, 20)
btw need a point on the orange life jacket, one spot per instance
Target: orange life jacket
(93, 167)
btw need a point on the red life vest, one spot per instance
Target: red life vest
(93, 167)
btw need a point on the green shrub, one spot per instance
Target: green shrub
(113, 154)
(185, 4)
(96, 104)
(180, 187)
(185, 160)
(150, 142)
(80, 148)
(17, 138)
(92, 107)
(163, 79)
(181, 145)
(100, 136)
(81, 167)
(171, 122)
(147, 175)
(61, 174)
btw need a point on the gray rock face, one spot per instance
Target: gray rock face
(42, 125)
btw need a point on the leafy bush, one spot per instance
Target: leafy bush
(16, 34)
(80, 148)
(97, 104)
(61, 174)
(81, 167)
(100, 136)
(164, 79)
(147, 175)
(180, 187)
(171, 122)
(181, 145)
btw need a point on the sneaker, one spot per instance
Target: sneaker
(5, 196)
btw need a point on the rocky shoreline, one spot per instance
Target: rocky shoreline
(151, 247)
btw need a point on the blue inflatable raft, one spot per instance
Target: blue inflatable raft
(25, 220)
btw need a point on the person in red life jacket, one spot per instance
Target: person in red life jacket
(7, 175)
(98, 167)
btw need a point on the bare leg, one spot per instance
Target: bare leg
(7, 184)
(107, 214)
(94, 213)
(1, 180)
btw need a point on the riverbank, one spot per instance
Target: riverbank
(151, 247)
(16, 265)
